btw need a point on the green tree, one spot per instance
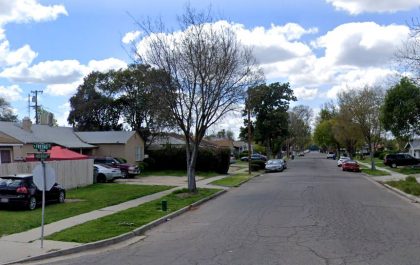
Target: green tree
(363, 109)
(6, 111)
(93, 110)
(400, 112)
(323, 133)
(299, 126)
(270, 104)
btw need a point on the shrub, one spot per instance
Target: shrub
(243, 153)
(149, 162)
(172, 158)
(411, 179)
(258, 164)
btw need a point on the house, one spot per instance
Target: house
(17, 139)
(413, 147)
(126, 144)
(240, 146)
(176, 141)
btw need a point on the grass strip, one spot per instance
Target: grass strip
(175, 173)
(130, 219)
(376, 172)
(407, 170)
(79, 200)
(409, 185)
(233, 181)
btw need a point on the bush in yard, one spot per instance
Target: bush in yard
(149, 162)
(411, 179)
(173, 158)
(259, 164)
(255, 167)
(243, 153)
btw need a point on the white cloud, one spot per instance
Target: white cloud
(303, 93)
(63, 114)
(355, 7)
(362, 44)
(131, 36)
(11, 93)
(22, 55)
(359, 78)
(49, 72)
(23, 11)
(106, 65)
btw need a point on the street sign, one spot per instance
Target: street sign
(38, 177)
(42, 146)
(42, 156)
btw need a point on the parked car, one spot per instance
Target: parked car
(401, 159)
(275, 165)
(255, 157)
(341, 160)
(350, 165)
(107, 173)
(127, 170)
(331, 155)
(20, 190)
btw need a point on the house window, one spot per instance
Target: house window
(5, 156)
(139, 153)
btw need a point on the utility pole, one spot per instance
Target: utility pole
(36, 106)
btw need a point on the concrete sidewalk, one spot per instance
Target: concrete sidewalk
(27, 244)
(393, 175)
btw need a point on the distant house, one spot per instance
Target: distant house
(240, 146)
(124, 144)
(16, 139)
(176, 141)
(413, 147)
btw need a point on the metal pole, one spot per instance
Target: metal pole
(43, 201)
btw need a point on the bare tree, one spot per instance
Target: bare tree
(409, 54)
(208, 72)
(300, 125)
(363, 108)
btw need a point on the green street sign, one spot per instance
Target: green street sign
(42, 146)
(42, 156)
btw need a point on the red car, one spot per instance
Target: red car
(350, 165)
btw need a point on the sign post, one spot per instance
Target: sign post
(42, 156)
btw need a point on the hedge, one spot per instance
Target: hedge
(172, 158)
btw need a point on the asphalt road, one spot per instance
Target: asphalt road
(312, 213)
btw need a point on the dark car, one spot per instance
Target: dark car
(401, 159)
(20, 190)
(350, 165)
(255, 157)
(127, 170)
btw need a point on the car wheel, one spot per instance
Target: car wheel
(61, 197)
(393, 165)
(124, 174)
(32, 203)
(101, 178)
(343, 169)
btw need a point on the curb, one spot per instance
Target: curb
(120, 238)
(412, 198)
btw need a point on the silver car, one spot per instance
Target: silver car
(275, 165)
(107, 173)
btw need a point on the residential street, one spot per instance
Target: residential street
(312, 213)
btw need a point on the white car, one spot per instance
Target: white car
(342, 160)
(107, 173)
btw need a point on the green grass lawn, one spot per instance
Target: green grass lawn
(91, 198)
(130, 219)
(378, 162)
(233, 181)
(409, 185)
(408, 170)
(175, 173)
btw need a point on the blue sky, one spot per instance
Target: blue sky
(321, 47)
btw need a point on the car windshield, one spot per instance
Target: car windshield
(274, 162)
(10, 182)
(119, 160)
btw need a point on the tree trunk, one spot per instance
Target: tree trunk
(191, 162)
(372, 161)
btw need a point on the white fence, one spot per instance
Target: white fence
(70, 173)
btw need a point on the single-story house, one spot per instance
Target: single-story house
(17, 139)
(123, 144)
(176, 141)
(413, 147)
